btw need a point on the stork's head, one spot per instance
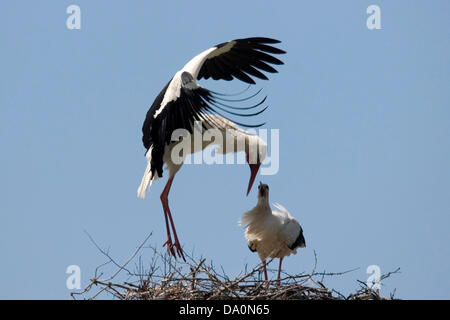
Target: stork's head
(263, 191)
(256, 153)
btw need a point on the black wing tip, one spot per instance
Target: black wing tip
(260, 40)
(247, 59)
(249, 81)
(299, 242)
(255, 40)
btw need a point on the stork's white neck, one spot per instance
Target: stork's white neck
(263, 204)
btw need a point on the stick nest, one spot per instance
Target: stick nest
(166, 278)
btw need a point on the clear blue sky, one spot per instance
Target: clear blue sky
(364, 119)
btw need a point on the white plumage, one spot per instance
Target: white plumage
(273, 234)
(237, 139)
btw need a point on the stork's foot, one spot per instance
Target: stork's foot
(179, 249)
(169, 245)
(174, 248)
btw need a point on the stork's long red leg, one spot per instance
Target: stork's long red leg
(165, 205)
(266, 278)
(167, 214)
(279, 271)
(168, 243)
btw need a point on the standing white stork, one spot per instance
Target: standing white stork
(182, 102)
(273, 234)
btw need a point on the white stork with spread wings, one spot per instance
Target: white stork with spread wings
(182, 102)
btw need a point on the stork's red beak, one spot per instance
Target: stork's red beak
(253, 172)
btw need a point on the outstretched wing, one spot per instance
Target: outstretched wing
(183, 101)
(239, 58)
